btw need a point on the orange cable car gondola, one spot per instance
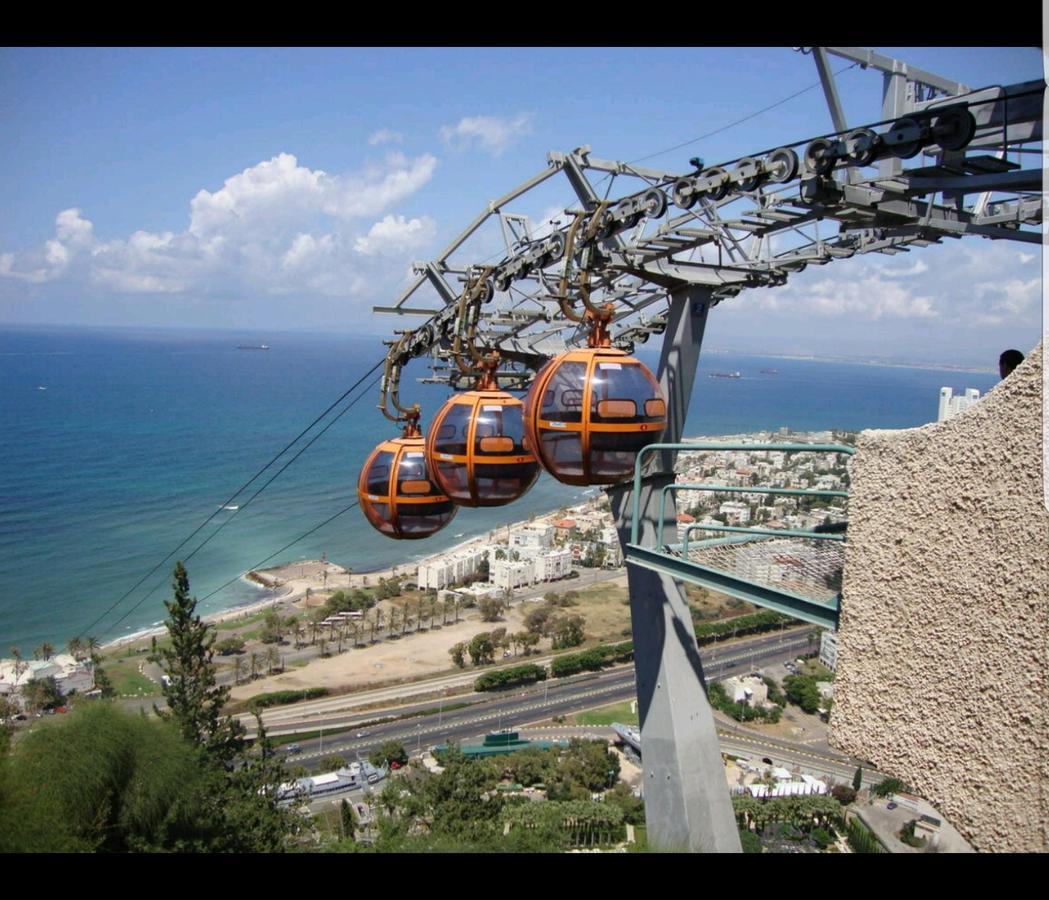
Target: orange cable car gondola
(475, 446)
(396, 492)
(590, 410)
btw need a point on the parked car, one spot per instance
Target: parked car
(294, 748)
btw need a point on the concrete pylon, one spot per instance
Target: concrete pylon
(687, 804)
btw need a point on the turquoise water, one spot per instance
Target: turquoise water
(140, 435)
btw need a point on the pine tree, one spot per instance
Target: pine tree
(193, 697)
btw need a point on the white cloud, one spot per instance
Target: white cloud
(275, 228)
(493, 134)
(395, 236)
(385, 136)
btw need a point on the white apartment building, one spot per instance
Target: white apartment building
(951, 405)
(552, 565)
(534, 536)
(829, 649)
(449, 569)
(736, 513)
(508, 574)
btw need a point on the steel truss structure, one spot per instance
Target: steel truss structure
(942, 161)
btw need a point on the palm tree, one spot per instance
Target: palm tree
(76, 648)
(298, 632)
(240, 669)
(433, 610)
(254, 664)
(324, 645)
(457, 605)
(406, 618)
(20, 666)
(394, 619)
(272, 658)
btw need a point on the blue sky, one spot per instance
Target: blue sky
(291, 188)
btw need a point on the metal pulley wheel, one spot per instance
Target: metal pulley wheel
(781, 165)
(502, 283)
(607, 225)
(820, 156)
(556, 243)
(487, 291)
(954, 129)
(862, 146)
(721, 183)
(422, 340)
(654, 204)
(684, 193)
(905, 138)
(749, 174)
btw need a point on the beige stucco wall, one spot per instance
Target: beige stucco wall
(944, 637)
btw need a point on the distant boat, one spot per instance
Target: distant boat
(460, 534)
(231, 507)
(41, 387)
(770, 371)
(253, 347)
(725, 375)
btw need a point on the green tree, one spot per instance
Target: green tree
(490, 609)
(193, 697)
(568, 631)
(857, 779)
(388, 752)
(103, 683)
(481, 649)
(42, 693)
(458, 653)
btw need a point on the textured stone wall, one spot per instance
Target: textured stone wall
(944, 637)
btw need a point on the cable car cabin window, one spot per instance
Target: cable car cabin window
(563, 451)
(612, 454)
(425, 518)
(382, 519)
(453, 477)
(411, 473)
(507, 481)
(379, 475)
(563, 398)
(622, 393)
(499, 430)
(454, 430)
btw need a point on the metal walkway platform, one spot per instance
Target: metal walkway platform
(792, 571)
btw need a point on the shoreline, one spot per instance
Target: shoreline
(311, 573)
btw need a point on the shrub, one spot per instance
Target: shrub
(504, 678)
(279, 698)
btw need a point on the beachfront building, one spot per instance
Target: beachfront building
(531, 537)
(509, 574)
(449, 568)
(552, 564)
(71, 675)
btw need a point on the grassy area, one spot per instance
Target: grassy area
(128, 680)
(817, 670)
(606, 715)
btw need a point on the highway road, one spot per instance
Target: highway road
(541, 702)
(348, 711)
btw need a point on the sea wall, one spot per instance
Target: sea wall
(943, 644)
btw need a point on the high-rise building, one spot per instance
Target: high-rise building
(951, 405)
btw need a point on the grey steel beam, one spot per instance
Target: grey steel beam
(830, 90)
(823, 614)
(872, 59)
(687, 805)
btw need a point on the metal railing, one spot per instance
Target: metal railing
(675, 559)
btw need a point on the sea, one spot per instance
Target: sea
(116, 444)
